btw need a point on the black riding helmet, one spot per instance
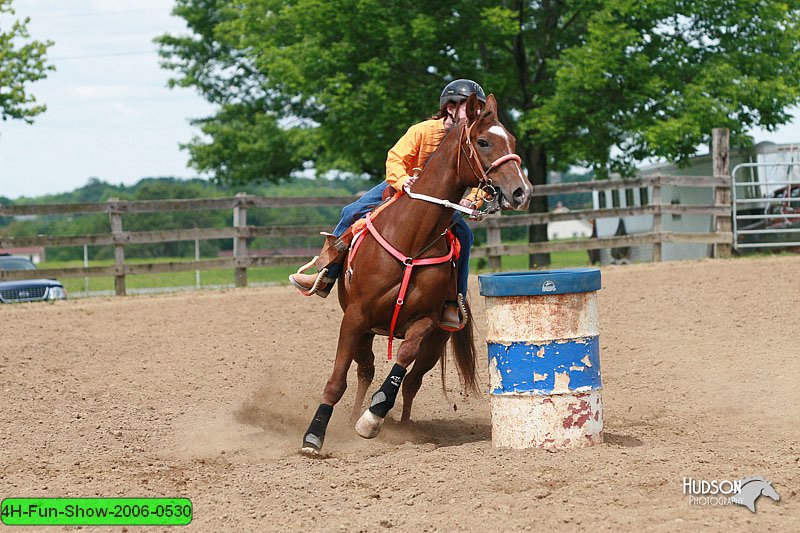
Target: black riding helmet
(459, 90)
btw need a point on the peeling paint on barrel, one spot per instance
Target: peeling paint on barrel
(556, 316)
(561, 383)
(553, 422)
(560, 367)
(495, 376)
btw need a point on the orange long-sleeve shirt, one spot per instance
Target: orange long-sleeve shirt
(412, 150)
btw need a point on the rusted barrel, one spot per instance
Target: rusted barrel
(544, 358)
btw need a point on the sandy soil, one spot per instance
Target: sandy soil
(206, 395)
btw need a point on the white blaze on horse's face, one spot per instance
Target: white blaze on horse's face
(500, 131)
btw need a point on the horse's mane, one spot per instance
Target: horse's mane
(442, 143)
(750, 479)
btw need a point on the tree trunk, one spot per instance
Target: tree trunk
(536, 161)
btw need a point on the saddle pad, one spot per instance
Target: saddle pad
(361, 223)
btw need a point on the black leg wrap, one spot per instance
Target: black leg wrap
(315, 435)
(383, 400)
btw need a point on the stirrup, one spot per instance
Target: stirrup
(307, 265)
(321, 287)
(463, 318)
(319, 284)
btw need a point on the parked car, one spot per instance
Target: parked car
(28, 290)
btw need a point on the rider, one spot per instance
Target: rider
(410, 153)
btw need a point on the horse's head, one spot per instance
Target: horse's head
(769, 491)
(751, 489)
(492, 160)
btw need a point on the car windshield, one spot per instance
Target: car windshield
(16, 263)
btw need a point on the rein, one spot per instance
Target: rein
(473, 213)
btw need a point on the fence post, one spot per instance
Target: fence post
(656, 201)
(720, 150)
(119, 248)
(493, 238)
(86, 266)
(239, 242)
(196, 258)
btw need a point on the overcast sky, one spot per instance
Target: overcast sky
(109, 112)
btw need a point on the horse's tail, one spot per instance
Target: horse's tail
(463, 345)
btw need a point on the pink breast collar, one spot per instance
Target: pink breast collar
(409, 263)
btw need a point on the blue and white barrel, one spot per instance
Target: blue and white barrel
(544, 358)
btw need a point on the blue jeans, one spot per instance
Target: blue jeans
(365, 204)
(359, 208)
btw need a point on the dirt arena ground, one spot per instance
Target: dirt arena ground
(206, 395)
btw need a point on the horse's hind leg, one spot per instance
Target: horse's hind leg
(369, 425)
(365, 359)
(351, 334)
(430, 352)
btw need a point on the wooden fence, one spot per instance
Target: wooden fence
(240, 231)
(720, 211)
(721, 238)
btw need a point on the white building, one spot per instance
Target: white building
(701, 165)
(568, 229)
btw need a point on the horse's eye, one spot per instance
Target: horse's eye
(483, 143)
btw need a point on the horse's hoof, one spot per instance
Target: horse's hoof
(369, 425)
(308, 451)
(311, 443)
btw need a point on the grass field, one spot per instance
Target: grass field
(576, 258)
(208, 278)
(276, 274)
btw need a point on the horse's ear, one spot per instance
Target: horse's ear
(473, 108)
(491, 104)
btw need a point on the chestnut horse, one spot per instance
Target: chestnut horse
(477, 152)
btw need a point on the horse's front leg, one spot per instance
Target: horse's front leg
(369, 425)
(351, 334)
(365, 359)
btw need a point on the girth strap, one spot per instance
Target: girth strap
(409, 263)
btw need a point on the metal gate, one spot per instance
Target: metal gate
(766, 212)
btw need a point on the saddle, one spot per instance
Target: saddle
(335, 249)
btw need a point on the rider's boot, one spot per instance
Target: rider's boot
(454, 315)
(306, 283)
(328, 264)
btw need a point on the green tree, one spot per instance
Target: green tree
(22, 61)
(597, 83)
